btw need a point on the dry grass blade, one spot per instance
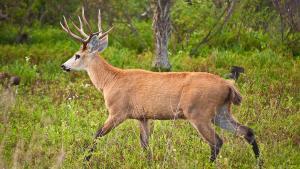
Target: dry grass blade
(17, 156)
(7, 101)
(60, 158)
(2, 163)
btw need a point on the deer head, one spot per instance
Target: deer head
(91, 44)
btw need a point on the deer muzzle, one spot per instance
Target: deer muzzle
(65, 68)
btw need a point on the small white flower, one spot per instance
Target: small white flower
(27, 59)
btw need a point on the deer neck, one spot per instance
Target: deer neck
(101, 73)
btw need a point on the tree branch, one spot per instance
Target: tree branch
(216, 29)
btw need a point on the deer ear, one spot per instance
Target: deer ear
(97, 45)
(103, 43)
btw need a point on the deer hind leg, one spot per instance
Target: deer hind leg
(110, 123)
(144, 133)
(209, 134)
(224, 120)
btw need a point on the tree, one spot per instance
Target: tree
(162, 29)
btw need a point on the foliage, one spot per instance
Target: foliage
(254, 24)
(54, 115)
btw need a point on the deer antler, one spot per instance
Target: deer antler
(81, 28)
(66, 28)
(100, 26)
(85, 21)
(99, 21)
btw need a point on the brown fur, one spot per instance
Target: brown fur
(140, 94)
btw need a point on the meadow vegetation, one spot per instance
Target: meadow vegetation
(52, 118)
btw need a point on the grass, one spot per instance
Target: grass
(54, 115)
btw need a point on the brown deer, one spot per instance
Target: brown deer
(201, 98)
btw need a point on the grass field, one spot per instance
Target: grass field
(55, 114)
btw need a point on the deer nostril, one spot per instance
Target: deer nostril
(65, 68)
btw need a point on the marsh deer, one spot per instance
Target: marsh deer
(201, 98)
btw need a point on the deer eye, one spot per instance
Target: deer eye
(77, 57)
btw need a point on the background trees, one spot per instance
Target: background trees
(189, 25)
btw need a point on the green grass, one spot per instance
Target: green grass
(55, 114)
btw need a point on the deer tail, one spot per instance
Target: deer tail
(234, 95)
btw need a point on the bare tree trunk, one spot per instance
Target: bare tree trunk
(3, 16)
(289, 12)
(162, 29)
(218, 3)
(189, 2)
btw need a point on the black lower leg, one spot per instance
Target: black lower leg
(251, 140)
(91, 150)
(215, 149)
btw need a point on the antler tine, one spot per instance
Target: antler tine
(101, 35)
(99, 21)
(81, 28)
(63, 27)
(67, 29)
(85, 21)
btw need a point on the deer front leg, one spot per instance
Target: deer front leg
(144, 133)
(110, 123)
